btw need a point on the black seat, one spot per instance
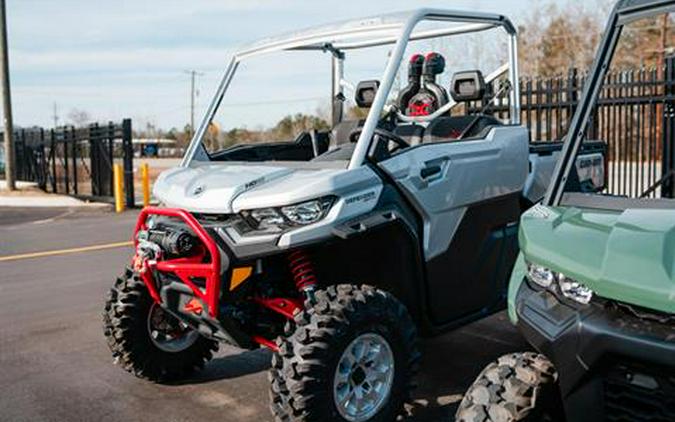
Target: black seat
(467, 86)
(341, 132)
(450, 128)
(413, 134)
(363, 97)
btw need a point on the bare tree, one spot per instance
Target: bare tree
(556, 38)
(79, 117)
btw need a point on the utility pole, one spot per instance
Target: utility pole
(6, 101)
(56, 116)
(193, 75)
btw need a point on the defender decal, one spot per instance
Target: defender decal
(364, 197)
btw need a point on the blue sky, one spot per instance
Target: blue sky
(123, 58)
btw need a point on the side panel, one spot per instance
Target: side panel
(468, 195)
(470, 276)
(463, 173)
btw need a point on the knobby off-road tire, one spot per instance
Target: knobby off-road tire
(304, 371)
(125, 325)
(517, 387)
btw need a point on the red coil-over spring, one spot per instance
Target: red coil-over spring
(302, 270)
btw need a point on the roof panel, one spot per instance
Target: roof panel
(364, 31)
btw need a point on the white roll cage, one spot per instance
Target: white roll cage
(365, 33)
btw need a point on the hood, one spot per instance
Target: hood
(211, 188)
(628, 256)
(229, 188)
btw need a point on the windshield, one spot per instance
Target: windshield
(312, 104)
(634, 116)
(273, 98)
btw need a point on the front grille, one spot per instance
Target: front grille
(639, 393)
(214, 219)
(646, 314)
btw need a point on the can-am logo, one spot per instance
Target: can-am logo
(364, 197)
(198, 190)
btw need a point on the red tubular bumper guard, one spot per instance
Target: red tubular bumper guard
(185, 268)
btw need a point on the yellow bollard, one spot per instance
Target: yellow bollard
(119, 189)
(145, 180)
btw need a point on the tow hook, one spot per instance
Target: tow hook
(147, 253)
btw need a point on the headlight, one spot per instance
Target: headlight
(277, 219)
(267, 217)
(574, 290)
(559, 283)
(308, 212)
(540, 275)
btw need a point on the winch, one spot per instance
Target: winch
(173, 241)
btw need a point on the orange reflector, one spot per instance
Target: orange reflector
(194, 306)
(239, 275)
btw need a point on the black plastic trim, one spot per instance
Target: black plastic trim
(580, 340)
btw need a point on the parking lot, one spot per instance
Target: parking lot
(55, 365)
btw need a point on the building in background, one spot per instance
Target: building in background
(156, 147)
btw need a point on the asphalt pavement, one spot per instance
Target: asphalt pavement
(55, 365)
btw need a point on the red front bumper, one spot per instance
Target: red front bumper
(205, 266)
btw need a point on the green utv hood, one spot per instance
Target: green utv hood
(628, 256)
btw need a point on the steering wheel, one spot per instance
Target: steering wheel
(381, 134)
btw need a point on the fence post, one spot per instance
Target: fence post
(94, 162)
(19, 155)
(128, 163)
(73, 139)
(43, 161)
(52, 152)
(668, 132)
(111, 155)
(66, 166)
(572, 94)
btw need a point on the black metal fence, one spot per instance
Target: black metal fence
(76, 161)
(635, 115)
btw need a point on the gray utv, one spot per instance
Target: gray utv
(336, 249)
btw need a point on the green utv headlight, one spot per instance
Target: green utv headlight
(574, 290)
(541, 276)
(559, 283)
(278, 219)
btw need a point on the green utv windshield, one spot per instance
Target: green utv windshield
(634, 114)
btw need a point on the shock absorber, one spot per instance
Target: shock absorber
(302, 270)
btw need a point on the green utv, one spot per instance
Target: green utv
(593, 290)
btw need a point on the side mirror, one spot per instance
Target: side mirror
(365, 93)
(468, 86)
